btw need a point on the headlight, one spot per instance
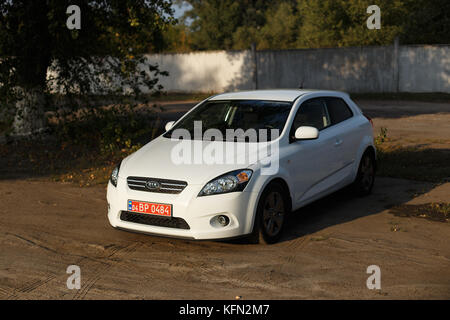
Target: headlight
(115, 175)
(229, 182)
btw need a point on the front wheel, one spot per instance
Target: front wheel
(273, 207)
(366, 175)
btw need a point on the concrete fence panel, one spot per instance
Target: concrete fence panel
(215, 71)
(424, 69)
(349, 69)
(356, 69)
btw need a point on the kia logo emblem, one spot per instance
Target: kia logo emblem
(152, 185)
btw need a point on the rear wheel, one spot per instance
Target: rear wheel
(366, 175)
(272, 210)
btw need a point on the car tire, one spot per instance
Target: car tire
(366, 175)
(273, 208)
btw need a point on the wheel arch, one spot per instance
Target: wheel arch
(285, 187)
(268, 182)
(372, 151)
(366, 145)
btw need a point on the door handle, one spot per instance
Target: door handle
(338, 142)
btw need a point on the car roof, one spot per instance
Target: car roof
(288, 95)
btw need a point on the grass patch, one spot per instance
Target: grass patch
(320, 238)
(83, 165)
(164, 96)
(404, 96)
(80, 147)
(415, 164)
(6, 121)
(431, 211)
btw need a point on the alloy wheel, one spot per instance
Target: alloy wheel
(367, 172)
(273, 213)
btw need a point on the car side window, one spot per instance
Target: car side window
(312, 113)
(339, 110)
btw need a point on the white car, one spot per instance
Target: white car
(324, 143)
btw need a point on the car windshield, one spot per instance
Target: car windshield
(262, 120)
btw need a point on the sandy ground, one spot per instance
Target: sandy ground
(47, 226)
(409, 123)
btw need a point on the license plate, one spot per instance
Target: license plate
(159, 209)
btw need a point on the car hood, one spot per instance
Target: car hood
(156, 160)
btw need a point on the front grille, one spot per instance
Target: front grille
(164, 185)
(176, 223)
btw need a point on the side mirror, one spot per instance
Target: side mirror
(169, 125)
(306, 133)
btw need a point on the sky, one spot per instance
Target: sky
(179, 10)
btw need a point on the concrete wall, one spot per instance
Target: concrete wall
(348, 69)
(356, 69)
(213, 71)
(424, 69)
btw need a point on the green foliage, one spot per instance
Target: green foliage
(381, 137)
(427, 22)
(106, 130)
(410, 162)
(413, 163)
(105, 56)
(176, 38)
(225, 24)
(281, 28)
(289, 24)
(337, 23)
(214, 23)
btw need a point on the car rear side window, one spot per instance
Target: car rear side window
(339, 110)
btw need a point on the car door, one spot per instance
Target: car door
(346, 131)
(310, 162)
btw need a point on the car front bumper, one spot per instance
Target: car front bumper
(197, 212)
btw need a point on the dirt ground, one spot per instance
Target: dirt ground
(47, 226)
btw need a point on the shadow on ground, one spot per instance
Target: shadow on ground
(343, 206)
(399, 109)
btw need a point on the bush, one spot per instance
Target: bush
(107, 130)
(381, 138)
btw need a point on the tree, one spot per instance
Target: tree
(427, 23)
(176, 38)
(214, 21)
(39, 54)
(338, 23)
(289, 24)
(225, 24)
(253, 19)
(281, 28)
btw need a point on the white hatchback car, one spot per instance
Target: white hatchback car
(322, 143)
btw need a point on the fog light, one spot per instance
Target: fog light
(223, 220)
(220, 221)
